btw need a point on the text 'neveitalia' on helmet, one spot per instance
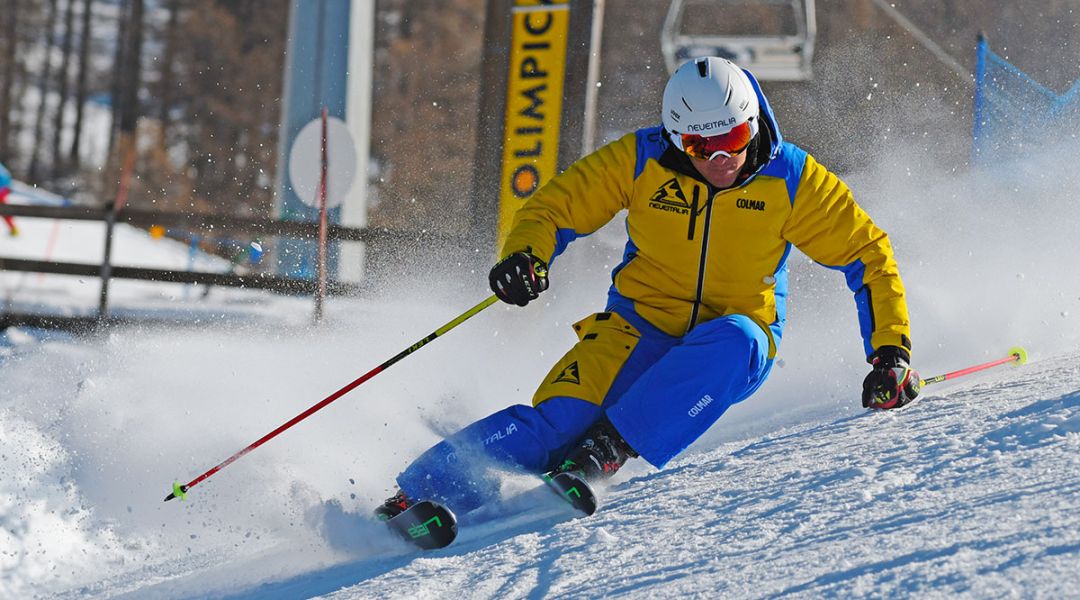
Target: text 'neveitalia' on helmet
(708, 96)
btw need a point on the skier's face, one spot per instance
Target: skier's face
(721, 171)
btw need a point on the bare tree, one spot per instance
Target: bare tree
(231, 66)
(166, 80)
(43, 89)
(164, 179)
(7, 76)
(428, 85)
(62, 94)
(128, 98)
(80, 85)
(123, 10)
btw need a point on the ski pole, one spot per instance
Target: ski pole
(1016, 355)
(180, 491)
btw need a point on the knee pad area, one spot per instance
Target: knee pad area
(457, 470)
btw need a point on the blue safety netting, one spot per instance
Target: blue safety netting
(1013, 112)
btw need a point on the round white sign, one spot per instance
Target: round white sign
(305, 162)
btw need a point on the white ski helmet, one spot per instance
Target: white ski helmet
(708, 96)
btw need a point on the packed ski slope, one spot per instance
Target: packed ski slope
(971, 493)
(796, 492)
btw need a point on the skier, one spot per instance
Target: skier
(715, 199)
(5, 189)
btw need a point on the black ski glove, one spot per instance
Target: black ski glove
(892, 383)
(518, 278)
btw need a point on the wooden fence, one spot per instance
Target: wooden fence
(144, 218)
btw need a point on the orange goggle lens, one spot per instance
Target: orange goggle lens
(724, 144)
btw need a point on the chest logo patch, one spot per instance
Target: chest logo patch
(669, 197)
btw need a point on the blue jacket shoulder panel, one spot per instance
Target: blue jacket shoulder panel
(651, 144)
(787, 165)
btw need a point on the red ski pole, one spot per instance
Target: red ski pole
(180, 491)
(1016, 355)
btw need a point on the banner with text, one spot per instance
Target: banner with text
(534, 98)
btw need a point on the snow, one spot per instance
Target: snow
(797, 492)
(966, 494)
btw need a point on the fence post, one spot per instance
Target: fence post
(127, 145)
(320, 291)
(106, 262)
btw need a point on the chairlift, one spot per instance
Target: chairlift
(774, 39)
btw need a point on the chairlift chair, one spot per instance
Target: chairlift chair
(783, 53)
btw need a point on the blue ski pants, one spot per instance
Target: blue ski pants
(661, 393)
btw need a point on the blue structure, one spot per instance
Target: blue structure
(1012, 109)
(316, 75)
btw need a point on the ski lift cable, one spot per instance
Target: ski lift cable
(926, 42)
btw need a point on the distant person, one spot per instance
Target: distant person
(715, 202)
(5, 189)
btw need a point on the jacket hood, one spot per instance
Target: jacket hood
(773, 128)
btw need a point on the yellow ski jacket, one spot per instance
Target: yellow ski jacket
(696, 253)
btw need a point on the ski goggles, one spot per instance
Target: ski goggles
(728, 144)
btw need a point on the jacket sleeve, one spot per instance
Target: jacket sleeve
(576, 202)
(833, 230)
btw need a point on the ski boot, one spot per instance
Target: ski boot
(393, 506)
(599, 454)
(426, 524)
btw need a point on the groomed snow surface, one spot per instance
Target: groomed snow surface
(797, 492)
(969, 494)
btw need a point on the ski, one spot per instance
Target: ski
(427, 524)
(575, 490)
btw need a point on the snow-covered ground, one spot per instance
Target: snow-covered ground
(967, 494)
(797, 492)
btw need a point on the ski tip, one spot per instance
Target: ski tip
(178, 491)
(575, 490)
(1020, 354)
(426, 524)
